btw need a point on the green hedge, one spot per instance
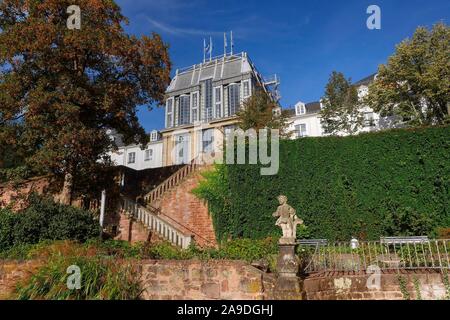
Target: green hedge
(44, 219)
(371, 185)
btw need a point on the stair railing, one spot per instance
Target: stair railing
(164, 229)
(171, 182)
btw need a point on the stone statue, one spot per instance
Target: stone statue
(287, 221)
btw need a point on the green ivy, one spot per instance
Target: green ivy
(403, 288)
(377, 184)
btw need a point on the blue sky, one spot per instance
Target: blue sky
(302, 41)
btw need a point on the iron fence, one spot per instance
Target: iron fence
(343, 256)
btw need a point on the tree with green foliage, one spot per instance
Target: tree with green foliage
(341, 109)
(260, 112)
(66, 87)
(414, 85)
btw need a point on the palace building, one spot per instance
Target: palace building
(201, 105)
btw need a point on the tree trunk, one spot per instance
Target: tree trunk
(66, 193)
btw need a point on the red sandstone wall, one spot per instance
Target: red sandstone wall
(235, 280)
(354, 286)
(17, 193)
(185, 208)
(131, 231)
(169, 280)
(203, 280)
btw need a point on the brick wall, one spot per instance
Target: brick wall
(132, 231)
(16, 194)
(203, 280)
(184, 207)
(354, 286)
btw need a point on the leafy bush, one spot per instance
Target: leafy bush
(239, 249)
(377, 184)
(15, 174)
(248, 250)
(7, 222)
(44, 219)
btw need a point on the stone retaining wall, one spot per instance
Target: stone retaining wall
(235, 280)
(354, 286)
(204, 280)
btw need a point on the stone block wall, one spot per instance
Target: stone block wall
(236, 280)
(204, 280)
(354, 286)
(17, 194)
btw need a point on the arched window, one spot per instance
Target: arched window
(300, 108)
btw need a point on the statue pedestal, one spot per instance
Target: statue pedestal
(288, 285)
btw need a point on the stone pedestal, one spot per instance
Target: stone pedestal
(288, 285)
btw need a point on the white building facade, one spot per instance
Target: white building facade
(305, 120)
(132, 156)
(201, 105)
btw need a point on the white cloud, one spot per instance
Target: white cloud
(182, 31)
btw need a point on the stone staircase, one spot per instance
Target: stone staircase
(153, 222)
(172, 212)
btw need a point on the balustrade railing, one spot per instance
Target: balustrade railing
(150, 220)
(170, 182)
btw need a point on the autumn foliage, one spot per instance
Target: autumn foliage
(61, 89)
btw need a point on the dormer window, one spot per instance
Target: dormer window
(154, 136)
(300, 109)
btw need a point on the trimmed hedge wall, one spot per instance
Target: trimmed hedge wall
(371, 185)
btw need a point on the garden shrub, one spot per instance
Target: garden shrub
(44, 219)
(238, 249)
(387, 183)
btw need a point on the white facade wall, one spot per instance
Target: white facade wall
(373, 121)
(312, 123)
(121, 157)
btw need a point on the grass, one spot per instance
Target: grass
(102, 277)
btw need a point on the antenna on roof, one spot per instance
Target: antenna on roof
(204, 50)
(232, 43)
(225, 44)
(210, 48)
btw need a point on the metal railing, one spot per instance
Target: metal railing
(397, 255)
(171, 182)
(213, 60)
(151, 221)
